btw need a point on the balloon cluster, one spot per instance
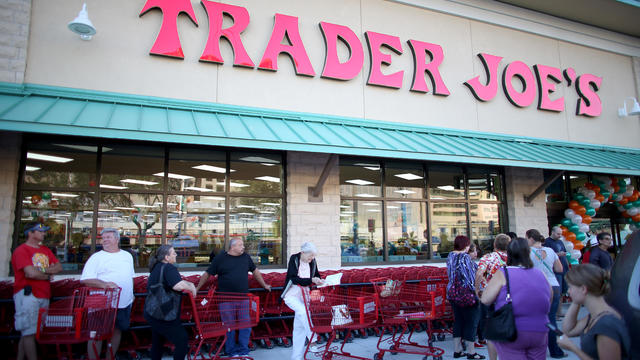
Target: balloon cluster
(589, 198)
(44, 200)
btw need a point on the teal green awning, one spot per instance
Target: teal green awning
(54, 110)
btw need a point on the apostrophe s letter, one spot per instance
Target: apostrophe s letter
(589, 103)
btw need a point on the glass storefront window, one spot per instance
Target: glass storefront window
(445, 183)
(197, 170)
(360, 178)
(126, 167)
(577, 181)
(255, 173)
(61, 165)
(448, 220)
(555, 192)
(258, 221)
(405, 181)
(485, 225)
(484, 184)
(70, 217)
(361, 237)
(407, 230)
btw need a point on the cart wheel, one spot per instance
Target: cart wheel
(287, 343)
(364, 334)
(393, 347)
(279, 342)
(269, 344)
(252, 345)
(371, 332)
(320, 339)
(263, 343)
(418, 328)
(432, 338)
(441, 337)
(378, 356)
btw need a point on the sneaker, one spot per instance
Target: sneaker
(482, 342)
(478, 345)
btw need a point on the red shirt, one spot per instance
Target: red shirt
(40, 258)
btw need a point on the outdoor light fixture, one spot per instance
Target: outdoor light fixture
(81, 25)
(635, 109)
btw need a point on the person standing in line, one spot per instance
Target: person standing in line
(546, 260)
(232, 267)
(554, 241)
(488, 265)
(461, 272)
(173, 331)
(530, 299)
(302, 272)
(111, 267)
(603, 333)
(599, 254)
(33, 266)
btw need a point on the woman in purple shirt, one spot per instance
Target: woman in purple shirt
(531, 299)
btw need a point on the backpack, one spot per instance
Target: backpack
(160, 303)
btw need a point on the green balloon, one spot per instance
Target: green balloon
(636, 203)
(578, 197)
(622, 186)
(591, 212)
(566, 222)
(628, 206)
(580, 236)
(46, 196)
(574, 229)
(586, 202)
(606, 194)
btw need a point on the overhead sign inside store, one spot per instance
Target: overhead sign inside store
(427, 58)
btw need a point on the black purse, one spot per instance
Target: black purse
(161, 304)
(500, 325)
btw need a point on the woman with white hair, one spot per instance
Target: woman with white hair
(302, 272)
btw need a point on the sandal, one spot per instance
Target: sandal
(475, 356)
(459, 354)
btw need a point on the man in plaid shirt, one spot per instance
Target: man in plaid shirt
(488, 265)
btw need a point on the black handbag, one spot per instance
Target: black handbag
(161, 304)
(500, 325)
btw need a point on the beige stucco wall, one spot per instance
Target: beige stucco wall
(118, 60)
(10, 162)
(14, 33)
(523, 216)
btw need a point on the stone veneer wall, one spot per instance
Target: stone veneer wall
(318, 222)
(522, 216)
(9, 162)
(15, 16)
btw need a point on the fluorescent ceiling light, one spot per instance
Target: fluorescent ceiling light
(259, 159)
(88, 148)
(437, 198)
(404, 192)
(175, 176)
(366, 195)
(244, 213)
(108, 210)
(408, 176)
(393, 207)
(268, 178)
(266, 212)
(51, 158)
(346, 215)
(374, 167)
(215, 169)
(370, 204)
(170, 204)
(31, 168)
(123, 208)
(374, 210)
(360, 182)
(446, 187)
(139, 182)
(195, 188)
(26, 201)
(143, 206)
(345, 206)
(402, 202)
(213, 198)
(246, 206)
(105, 186)
(266, 164)
(348, 212)
(232, 184)
(65, 195)
(271, 204)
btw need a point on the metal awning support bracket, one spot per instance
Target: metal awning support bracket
(536, 192)
(315, 192)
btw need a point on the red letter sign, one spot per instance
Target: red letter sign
(589, 103)
(168, 42)
(333, 68)
(420, 50)
(522, 72)
(286, 27)
(376, 77)
(543, 73)
(489, 91)
(240, 18)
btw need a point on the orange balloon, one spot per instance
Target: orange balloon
(616, 188)
(581, 210)
(623, 201)
(600, 198)
(636, 218)
(574, 205)
(578, 246)
(633, 197)
(571, 237)
(587, 219)
(625, 214)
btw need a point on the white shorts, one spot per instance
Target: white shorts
(26, 316)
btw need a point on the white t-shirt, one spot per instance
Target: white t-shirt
(114, 267)
(546, 263)
(304, 271)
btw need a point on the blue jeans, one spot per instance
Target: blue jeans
(554, 349)
(234, 313)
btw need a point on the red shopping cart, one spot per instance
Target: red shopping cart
(91, 316)
(216, 313)
(399, 305)
(330, 310)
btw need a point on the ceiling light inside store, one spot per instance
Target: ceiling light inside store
(374, 167)
(108, 210)
(370, 204)
(268, 178)
(359, 182)
(143, 205)
(365, 195)
(175, 176)
(259, 159)
(408, 176)
(270, 204)
(213, 197)
(87, 148)
(64, 195)
(232, 184)
(123, 208)
(374, 210)
(246, 206)
(139, 182)
(446, 187)
(404, 192)
(244, 213)
(195, 188)
(212, 168)
(105, 186)
(348, 212)
(50, 158)
(31, 168)
(393, 207)
(346, 215)
(267, 164)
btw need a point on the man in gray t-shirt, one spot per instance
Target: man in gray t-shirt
(599, 254)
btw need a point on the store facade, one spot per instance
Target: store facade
(385, 130)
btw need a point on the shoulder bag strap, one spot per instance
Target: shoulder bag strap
(542, 261)
(506, 276)
(161, 278)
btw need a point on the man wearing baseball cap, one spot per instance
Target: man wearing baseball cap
(33, 265)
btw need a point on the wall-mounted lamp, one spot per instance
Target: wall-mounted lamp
(635, 109)
(82, 26)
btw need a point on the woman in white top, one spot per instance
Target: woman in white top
(302, 272)
(545, 259)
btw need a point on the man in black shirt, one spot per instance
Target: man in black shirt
(232, 267)
(599, 254)
(554, 241)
